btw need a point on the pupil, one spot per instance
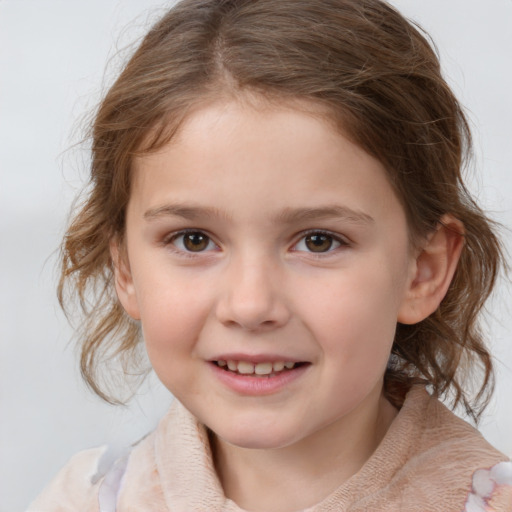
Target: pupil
(196, 241)
(318, 243)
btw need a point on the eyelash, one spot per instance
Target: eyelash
(170, 241)
(334, 238)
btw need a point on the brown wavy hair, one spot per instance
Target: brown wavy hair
(377, 75)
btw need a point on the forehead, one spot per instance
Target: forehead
(237, 115)
(279, 156)
(168, 130)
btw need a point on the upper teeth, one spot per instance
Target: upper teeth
(248, 368)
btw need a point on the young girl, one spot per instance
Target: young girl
(276, 210)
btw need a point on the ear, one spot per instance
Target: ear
(123, 279)
(432, 271)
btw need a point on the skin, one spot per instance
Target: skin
(255, 182)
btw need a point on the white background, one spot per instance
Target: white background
(53, 55)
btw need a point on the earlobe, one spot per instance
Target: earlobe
(123, 280)
(434, 268)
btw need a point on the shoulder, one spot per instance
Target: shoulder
(445, 436)
(491, 489)
(106, 475)
(444, 455)
(75, 485)
(433, 432)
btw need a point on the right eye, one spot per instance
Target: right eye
(192, 241)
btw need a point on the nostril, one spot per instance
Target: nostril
(252, 309)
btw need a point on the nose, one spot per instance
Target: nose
(253, 296)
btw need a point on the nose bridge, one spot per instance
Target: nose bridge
(253, 295)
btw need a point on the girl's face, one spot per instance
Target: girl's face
(268, 261)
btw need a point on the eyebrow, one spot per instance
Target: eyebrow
(294, 215)
(287, 216)
(187, 212)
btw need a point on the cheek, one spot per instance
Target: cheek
(355, 317)
(173, 312)
(170, 332)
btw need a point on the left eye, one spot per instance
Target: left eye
(193, 241)
(317, 242)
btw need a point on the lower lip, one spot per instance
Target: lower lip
(258, 386)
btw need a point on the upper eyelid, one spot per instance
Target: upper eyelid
(176, 234)
(168, 239)
(343, 239)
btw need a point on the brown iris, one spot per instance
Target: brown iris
(195, 242)
(318, 242)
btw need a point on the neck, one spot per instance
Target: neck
(300, 475)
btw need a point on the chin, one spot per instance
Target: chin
(257, 437)
(254, 443)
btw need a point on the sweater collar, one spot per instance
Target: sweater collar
(184, 461)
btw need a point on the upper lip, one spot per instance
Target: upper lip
(256, 358)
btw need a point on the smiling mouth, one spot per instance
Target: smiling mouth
(265, 369)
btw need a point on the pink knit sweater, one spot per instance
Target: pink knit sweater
(425, 463)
